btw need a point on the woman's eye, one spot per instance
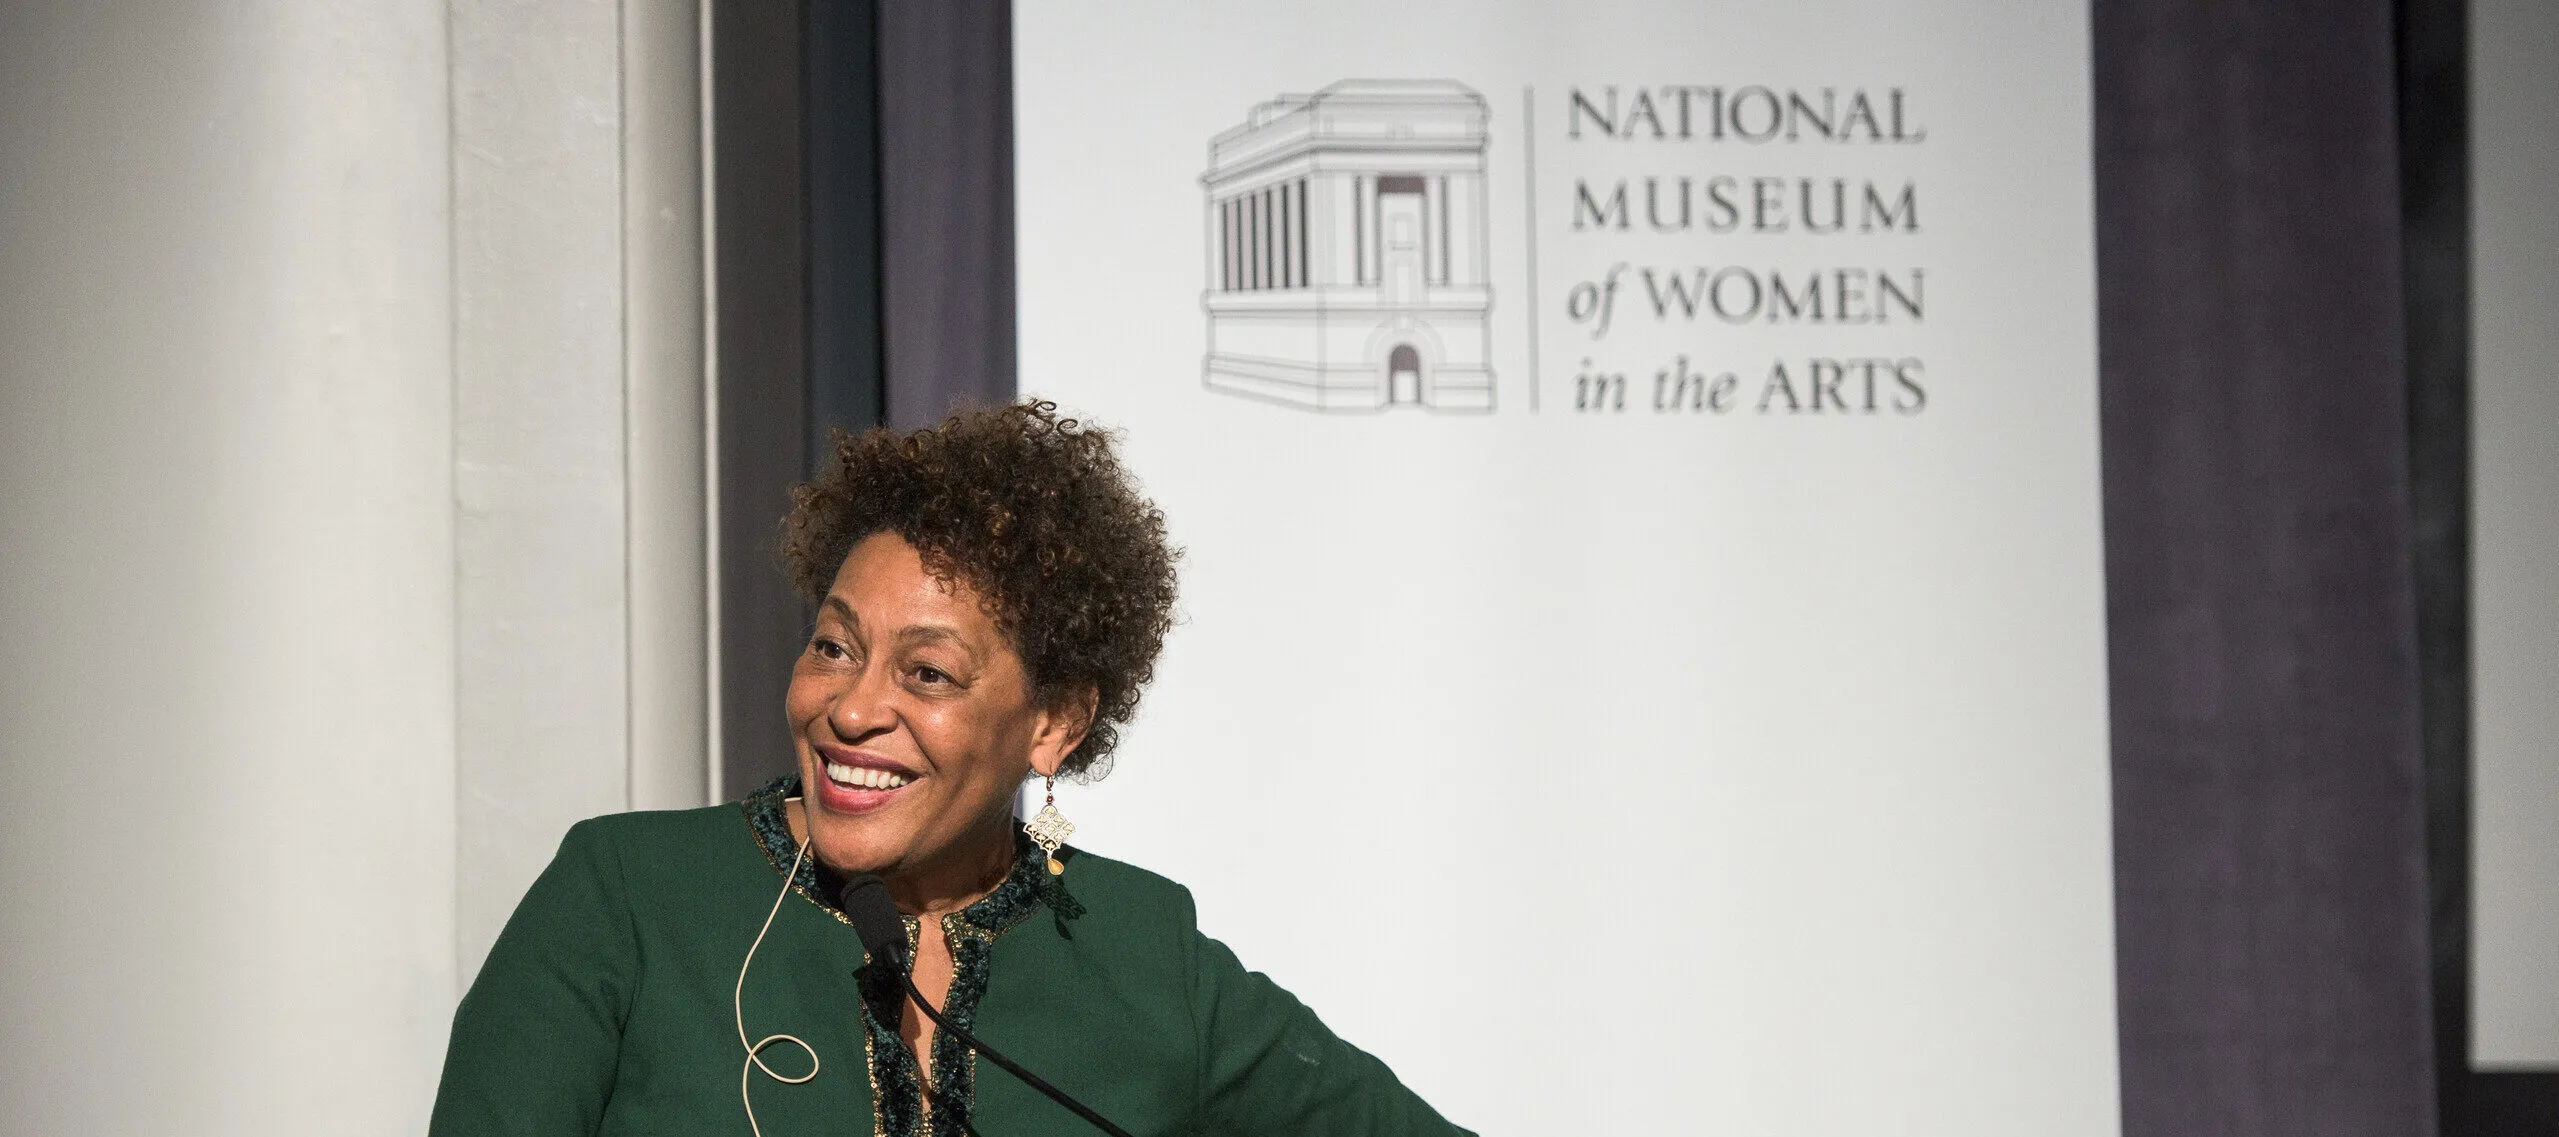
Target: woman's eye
(926, 673)
(827, 649)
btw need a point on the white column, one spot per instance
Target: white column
(1215, 243)
(1465, 228)
(1362, 233)
(351, 452)
(579, 429)
(1337, 248)
(539, 457)
(1434, 219)
(226, 612)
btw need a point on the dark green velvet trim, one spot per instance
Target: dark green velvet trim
(955, 1080)
(899, 1105)
(971, 933)
(767, 812)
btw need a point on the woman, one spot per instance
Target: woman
(990, 597)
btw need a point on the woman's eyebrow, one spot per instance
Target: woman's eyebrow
(937, 633)
(841, 609)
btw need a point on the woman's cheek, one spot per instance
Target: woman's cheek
(795, 702)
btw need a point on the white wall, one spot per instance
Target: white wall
(351, 466)
(2515, 392)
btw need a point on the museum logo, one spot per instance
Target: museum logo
(1346, 241)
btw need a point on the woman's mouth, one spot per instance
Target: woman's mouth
(864, 777)
(859, 787)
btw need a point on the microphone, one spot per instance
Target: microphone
(865, 902)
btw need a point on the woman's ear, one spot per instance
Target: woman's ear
(1062, 728)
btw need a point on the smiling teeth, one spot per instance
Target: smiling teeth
(864, 777)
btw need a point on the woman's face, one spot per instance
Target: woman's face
(914, 722)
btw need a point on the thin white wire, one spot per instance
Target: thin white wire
(737, 1002)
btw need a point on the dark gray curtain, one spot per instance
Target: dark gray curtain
(2271, 912)
(761, 271)
(946, 205)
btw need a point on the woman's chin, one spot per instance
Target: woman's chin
(853, 852)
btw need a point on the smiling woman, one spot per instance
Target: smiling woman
(990, 598)
(915, 726)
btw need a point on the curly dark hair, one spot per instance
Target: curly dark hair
(1036, 514)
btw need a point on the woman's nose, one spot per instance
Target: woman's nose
(862, 709)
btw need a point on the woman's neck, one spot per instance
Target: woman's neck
(964, 875)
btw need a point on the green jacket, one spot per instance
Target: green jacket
(605, 1007)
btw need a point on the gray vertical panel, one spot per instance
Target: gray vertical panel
(2504, 1088)
(664, 459)
(946, 205)
(760, 273)
(2268, 797)
(844, 222)
(2434, 209)
(2517, 759)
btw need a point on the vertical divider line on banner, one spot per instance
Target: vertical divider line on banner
(1528, 163)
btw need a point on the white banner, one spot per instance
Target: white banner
(1644, 663)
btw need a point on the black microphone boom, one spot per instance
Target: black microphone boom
(866, 903)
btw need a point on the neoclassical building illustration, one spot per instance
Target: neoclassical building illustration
(1346, 240)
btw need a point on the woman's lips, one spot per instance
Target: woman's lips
(855, 782)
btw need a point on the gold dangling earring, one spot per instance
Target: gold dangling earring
(1049, 829)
